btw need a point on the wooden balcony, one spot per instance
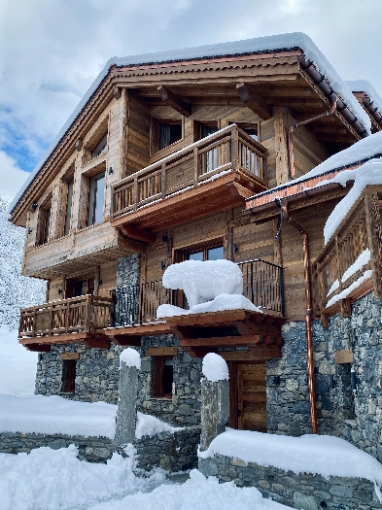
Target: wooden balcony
(68, 320)
(339, 275)
(81, 250)
(135, 313)
(221, 170)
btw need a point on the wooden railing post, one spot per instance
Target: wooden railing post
(88, 306)
(196, 165)
(235, 148)
(135, 193)
(163, 180)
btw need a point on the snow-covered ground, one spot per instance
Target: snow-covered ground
(17, 365)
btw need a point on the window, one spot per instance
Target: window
(164, 376)
(100, 148)
(249, 128)
(96, 199)
(166, 133)
(69, 202)
(68, 375)
(43, 225)
(79, 286)
(215, 253)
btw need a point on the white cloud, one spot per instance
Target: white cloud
(11, 176)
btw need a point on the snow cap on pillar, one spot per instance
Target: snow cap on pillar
(214, 367)
(131, 357)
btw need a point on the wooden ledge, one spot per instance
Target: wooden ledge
(132, 335)
(224, 318)
(93, 340)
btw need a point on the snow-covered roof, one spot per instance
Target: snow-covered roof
(368, 89)
(275, 43)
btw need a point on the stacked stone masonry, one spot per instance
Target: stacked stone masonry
(304, 490)
(352, 415)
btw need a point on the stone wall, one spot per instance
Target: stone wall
(304, 490)
(354, 416)
(93, 449)
(183, 409)
(173, 452)
(97, 373)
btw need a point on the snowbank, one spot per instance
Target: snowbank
(368, 174)
(361, 261)
(219, 304)
(198, 493)
(259, 45)
(17, 365)
(131, 357)
(203, 281)
(346, 292)
(50, 479)
(56, 415)
(323, 455)
(148, 425)
(214, 368)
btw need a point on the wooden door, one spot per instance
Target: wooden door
(248, 392)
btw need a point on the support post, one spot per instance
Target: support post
(127, 401)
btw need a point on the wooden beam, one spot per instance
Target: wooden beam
(258, 353)
(253, 101)
(127, 340)
(174, 101)
(70, 355)
(37, 347)
(222, 341)
(139, 234)
(97, 343)
(199, 352)
(281, 145)
(162, 351)
(150, 329)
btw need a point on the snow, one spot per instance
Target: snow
(361, 261)
(148, 425)
(334, 287)
(368, 174)
(345, 293)
(203, 281)
(25, 291)
(258, 45)
(214, 368)
(198, 493)
(17, 365)
(368, 89)
(56, 415)
(50, 479)
(323, 455)
(221, 303)
(131, 357)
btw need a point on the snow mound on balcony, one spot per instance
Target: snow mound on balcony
(221, 303)
(323, 455)
(368, 174)
(148, 425)
(131, 357)
(203, 281)
(214, 368)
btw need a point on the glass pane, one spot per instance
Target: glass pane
(69, 207)
(47, 226)
(195, 256)
(215, 253)
(100, 148)
(169, 134)
(96, 199)
(208, 130)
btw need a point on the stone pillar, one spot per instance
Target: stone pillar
(127, 401)
(215, 399)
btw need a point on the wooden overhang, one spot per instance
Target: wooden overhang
(296, 195)
(224, 192)
(209, 332)
(44, 343)
(279, 78)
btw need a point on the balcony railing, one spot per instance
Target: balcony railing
(137, 304)
(354, 249)
(228, 149)
(89, 314)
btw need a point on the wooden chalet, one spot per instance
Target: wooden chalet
(157, 166)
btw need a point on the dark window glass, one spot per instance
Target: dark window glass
(195, 256)
(100, 148)
(96, 199)
(169, 134)
(47, 226)
(69, 207)
(68, 376)
(168, 376)
(164, 376)
(44, 226)
(210, 158)
(208, 130)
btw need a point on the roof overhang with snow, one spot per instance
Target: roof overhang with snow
(311, 63)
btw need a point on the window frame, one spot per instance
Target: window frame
(159, 382)
(68, 378)
(44, 223)
(92, 197)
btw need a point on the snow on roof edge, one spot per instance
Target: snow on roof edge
(366, 87)
(265, 44)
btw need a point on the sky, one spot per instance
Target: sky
(52, 50)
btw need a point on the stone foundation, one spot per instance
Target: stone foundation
(354, 416)
(304, 490)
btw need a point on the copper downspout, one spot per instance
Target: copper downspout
(295, 126)
(308, 316)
